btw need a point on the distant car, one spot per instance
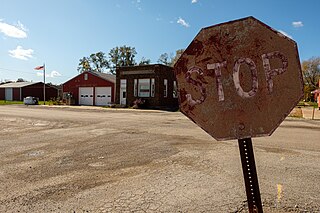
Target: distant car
(30, 100)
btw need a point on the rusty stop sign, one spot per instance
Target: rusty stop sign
(239, 79)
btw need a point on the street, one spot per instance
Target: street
(90, 159)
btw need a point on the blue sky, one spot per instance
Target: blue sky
(60, 32)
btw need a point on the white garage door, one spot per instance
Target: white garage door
(85, 95)
(103, 96)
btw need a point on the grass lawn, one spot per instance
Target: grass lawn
(303, 104)
(3, 102)
(50, 102)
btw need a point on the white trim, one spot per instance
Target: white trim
(165, 90)
(152, 88)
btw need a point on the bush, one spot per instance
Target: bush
(55, 101)
(139, 103)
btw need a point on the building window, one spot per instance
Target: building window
(144, 88)
(152, 87)
(175, 90)
(86, 76)
(165, 86)
(135, 87)
(123, 84)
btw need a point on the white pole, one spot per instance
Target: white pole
(44, 84)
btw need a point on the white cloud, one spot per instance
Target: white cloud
(52, 74)
(284, 33)
(297, 24)
(20, 53)
(137, 4)
(194, 1)
(40, 74)
(18, 31)
(183, 22)
(22, 27)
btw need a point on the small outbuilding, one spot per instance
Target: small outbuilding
(154, 86)
(16, 91)
(90, 88)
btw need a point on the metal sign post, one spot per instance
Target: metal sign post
(250, 175)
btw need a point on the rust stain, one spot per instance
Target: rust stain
(195, 48)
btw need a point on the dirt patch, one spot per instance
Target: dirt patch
(296, 112)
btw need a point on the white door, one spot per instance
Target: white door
(86, 96)
(8, 94)
(102, 96)
(123, 91)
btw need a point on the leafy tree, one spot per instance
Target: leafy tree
(311, 75)
(170, 59)
(311, 71)
(99, 61)
(144, 61)
(95, 62)
(177, 56)
(165, 59)
(84, 65)
(21, 80)
(121, 56)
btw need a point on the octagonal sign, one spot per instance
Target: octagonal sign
(239, 79)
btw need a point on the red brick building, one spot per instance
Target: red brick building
(154, 84)
(90, 88)
(18, 90)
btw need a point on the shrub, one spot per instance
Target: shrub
(138, 103)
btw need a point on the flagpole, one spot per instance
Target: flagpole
(44, 83)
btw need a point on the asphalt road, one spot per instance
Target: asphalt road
(78, 159)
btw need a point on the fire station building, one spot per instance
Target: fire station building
(90, 88)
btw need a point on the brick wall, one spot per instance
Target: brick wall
(157, 72)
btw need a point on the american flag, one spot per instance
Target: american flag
(39, 67)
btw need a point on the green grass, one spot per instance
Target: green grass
(3, 102)
(303, 104)
(42, 103)
(51, 102)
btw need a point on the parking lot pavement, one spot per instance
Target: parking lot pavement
(84, 159)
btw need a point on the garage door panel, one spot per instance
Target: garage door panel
(102, 96)
(86, 96)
